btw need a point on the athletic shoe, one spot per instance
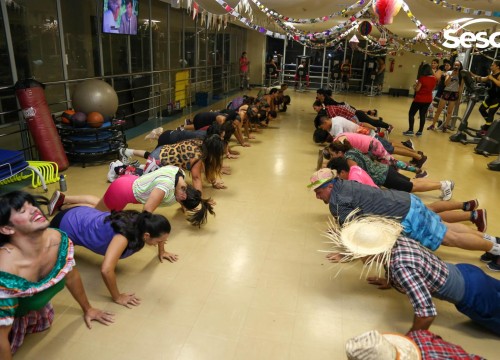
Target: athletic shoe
(487, 257)
(408, 133)
(112, 175)
(420, 163)
(180, 128)
(471, 205)
(390, 128)
(56, 201)
(480, 219)
(124, 158)
(188, 122)
(408, 143)
(421, 174)
(432, 127)
(418, 133)
(447, 189)
(493, 266)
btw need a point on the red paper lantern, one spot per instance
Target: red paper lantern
(386, 10)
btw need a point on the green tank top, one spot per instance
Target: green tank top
(39, 300)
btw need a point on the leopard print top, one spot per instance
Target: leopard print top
(181, 153)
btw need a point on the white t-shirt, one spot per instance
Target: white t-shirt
(341, 125)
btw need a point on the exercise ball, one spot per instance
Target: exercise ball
(66, 116)
(95, 95)
(95, 119)
(79, 119)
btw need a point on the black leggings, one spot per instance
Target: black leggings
(363, 117)
(488, 109)
(422, 109)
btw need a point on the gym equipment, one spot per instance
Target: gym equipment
(475, 93)
(95, 95)
(66, 116)
(36, 113)
(95, 119)
(495, 165)
(79, 120)
(489, 144)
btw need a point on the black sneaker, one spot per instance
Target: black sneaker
(408, 143)
(487, 257)
(493, 266)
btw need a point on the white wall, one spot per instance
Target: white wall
(256, 52)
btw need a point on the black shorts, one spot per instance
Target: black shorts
(450, 95)
(396, 181)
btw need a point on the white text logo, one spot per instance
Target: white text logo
(469, 39)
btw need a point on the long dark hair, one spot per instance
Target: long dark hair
(425, 70)
(340, 146)
(14, 200)
(197, 207)
(212, 150)
(134, 224)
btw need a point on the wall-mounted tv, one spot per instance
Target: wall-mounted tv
(120, 17)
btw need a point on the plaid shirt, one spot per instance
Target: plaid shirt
(418, 273)
(344, 111)
(433, 347)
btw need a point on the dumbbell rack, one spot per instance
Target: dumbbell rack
(92, 145)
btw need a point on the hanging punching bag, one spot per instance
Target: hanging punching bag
(37, 115)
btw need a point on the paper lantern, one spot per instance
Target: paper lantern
(354, 42)
(365, 28)
(386, 10)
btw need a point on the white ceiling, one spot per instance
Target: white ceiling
(433, 16)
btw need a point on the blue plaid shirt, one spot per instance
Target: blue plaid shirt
(418, 273)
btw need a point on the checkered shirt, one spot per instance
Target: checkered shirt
(433, 346)
(344, 111)
(418, 273)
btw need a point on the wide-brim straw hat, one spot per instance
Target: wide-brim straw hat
(367, 236)
(373, 345)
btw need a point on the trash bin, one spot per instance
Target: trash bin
(201, 98)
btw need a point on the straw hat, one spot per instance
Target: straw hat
(377, 346)
(371, 237)
(321, 177)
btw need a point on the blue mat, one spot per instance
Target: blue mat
(11, 163)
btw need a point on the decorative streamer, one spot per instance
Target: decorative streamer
(466, 10)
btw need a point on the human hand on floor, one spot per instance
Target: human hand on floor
(127, 300)
(380, 283)
(170, 257)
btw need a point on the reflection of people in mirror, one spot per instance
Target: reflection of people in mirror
(110, 17)
(128, 23)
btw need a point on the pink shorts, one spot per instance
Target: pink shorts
(120, 193)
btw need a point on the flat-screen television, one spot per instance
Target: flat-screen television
(120, 17)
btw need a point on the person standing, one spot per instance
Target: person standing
(490, 105)
(345, 70)
(379, 75)
(453, 86)
(35, 264)
(423, 98)
(244, 68)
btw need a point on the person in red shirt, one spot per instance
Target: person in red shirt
(423, 98)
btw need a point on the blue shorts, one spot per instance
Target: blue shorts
(481, 300)
(423, 225)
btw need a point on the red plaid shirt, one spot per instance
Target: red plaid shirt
(433, 346)
(344, 111)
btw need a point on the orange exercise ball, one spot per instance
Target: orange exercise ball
(95, 119)
(66, 116)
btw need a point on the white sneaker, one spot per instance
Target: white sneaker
(125, 159)
(447, 189)
(112, 176)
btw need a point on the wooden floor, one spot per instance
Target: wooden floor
(253, 283)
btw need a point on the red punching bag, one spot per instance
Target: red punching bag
(36, 112)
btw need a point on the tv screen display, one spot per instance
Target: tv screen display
(120, 17)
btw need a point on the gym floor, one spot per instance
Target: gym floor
(253, 283)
